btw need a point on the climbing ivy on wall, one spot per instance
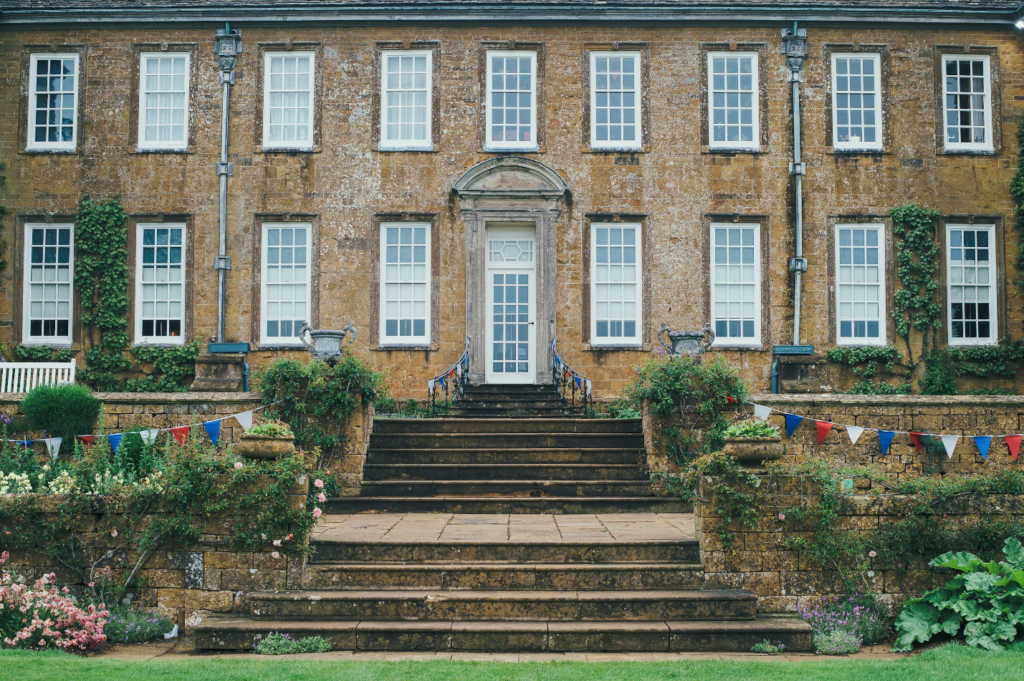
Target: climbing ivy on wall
(917, 262)
(3, 214)
(1017, 189)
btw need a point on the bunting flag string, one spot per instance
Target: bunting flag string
(916, 439)
(949, 442)
(245, 420)
(53, 446)
(983, 442)
(213, 430)
(181, 434)
(823, 427)
(792, 422)
(115, 441)
(149, 436)
(1013, 444)
(885, 439)
(854, 432)
(762, 412)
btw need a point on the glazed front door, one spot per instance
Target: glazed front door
(511, 305)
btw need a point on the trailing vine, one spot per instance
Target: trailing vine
(3, 214)
(172, 368)
(42, 353)
(917, 262)
(101, 278)
(1017, 190)
(866, 362)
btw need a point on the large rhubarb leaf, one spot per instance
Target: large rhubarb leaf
(1014, 553)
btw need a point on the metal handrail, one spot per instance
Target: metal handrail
(573, 387)
(452, 381)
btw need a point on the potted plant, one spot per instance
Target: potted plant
(752, 442)
(267, 441)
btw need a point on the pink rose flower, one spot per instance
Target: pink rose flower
(318, 483)
(317, 513)
(238, 465)
(275, 554)
(871, 554)
(321, 497)
(277, 542)
(92, 584)
(782, 516)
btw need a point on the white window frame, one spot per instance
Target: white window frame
(301, 145)
(277, 340)
(26, 310)
(722, 341)
(755, 143)
(410, 145)
(882, 300)
(989, 144)
(637, 338)
(158, 340)
(993, 337)
(533, 144)
(169, 145)
(858, 146)
(30, 143)
(407, 341)
(637, 142)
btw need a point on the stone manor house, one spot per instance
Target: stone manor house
(512, 172)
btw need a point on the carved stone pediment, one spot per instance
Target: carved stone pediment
(510, 177)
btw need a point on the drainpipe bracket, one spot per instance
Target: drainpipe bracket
(226, 169)
(226, 77)
(222, 262)
(798, 264)
(797, 168)
(795, 76)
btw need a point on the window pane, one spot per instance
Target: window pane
(735, 288)
(965, 101)
(615, 275)
(859, 283)
(161, 302)
(164, 113)
(971, 293)
(404, 283)
(49, 304)
(288, 114)
(511, 104)
(406, 90)
(54, 101)
(616, 99)
(855, 95)
(286, 279)
(733, 96)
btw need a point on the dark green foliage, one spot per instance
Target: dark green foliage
(622, 409)
(42, 353)
(62, 411)
(945, 366)
(284, 644)
(173, 368)
(752, 428)
(1017, 189)
(131, 625)
(917, 262)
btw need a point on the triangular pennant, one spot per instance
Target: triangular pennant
(87, 439)
(916, 439)
(823, 428)
(730, 400)
(949, 442)
(579, 383)
(25, 443)
(149, 436)
(983, 442)
(245, 420)
(762, 412)
(115, 441)
(588, 386)
(430, 386)
(854, 432)
(885, 439)
(1013, 442)
(792, 421)
(53, 446)
(180, 434)
(213, 430)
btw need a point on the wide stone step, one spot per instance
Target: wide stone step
(472, 412)
(511, 389)
(517, 456)
(564, 606)
(513, 552)
(504, 576)
(505, 504)
(233, 633)
(391, 426)
(381, 440)
(503, 471)
(483, 488)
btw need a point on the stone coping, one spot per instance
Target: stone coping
(815, 399)
(160, 398)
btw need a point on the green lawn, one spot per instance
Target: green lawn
(945, 662)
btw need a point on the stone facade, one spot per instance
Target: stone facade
(675, 186)
(959, 415)
(783, 578)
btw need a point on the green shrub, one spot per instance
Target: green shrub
(271, 430)
(836, 642)
(62, 411)
(622, 409)
(131, 625)
(766, 647)
(752, 428)
(284, 644)
(986, 601)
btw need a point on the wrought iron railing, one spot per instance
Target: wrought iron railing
(452, 383)
(573, 387)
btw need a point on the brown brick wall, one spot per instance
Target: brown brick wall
(675, 182)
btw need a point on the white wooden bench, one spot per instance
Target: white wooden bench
(20, 377)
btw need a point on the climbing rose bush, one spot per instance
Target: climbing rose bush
(43, 616)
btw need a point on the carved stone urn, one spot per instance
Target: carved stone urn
(266, 447)
(327, 344)
(691, 343)
(752, 452)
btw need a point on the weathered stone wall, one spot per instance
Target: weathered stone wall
(947, 415)
(675, 183)
(185, 583)
(783, 578)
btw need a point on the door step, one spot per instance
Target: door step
(506, 504)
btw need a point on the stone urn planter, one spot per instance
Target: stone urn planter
(752, 452)
(265, 447)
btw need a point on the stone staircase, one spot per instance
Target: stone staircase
(526, 532)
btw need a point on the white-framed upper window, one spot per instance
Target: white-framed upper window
(967, 102)
(288, 79)
(160, 283)
(163, 100)
(49, 283)
(53, 102)
(856, 101)
(615, 285)
(405, 283)
(511, 100)
(285, 282)
(971, 284)
(736, 283)
(860, 284)
(733, 119)
(405, 99)
(615, 100)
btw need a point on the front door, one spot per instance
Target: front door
(511, 305)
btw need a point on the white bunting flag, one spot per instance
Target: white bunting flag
(762, 412)
(52, 446)
(854, 432)
(149, 436)
(245, 419)
(949, 442)
(430, 386)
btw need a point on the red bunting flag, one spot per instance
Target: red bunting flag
(1013, 442)
(180, 434)
(730, 400)
(824, 427)
(87, 439)
(916, 439)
